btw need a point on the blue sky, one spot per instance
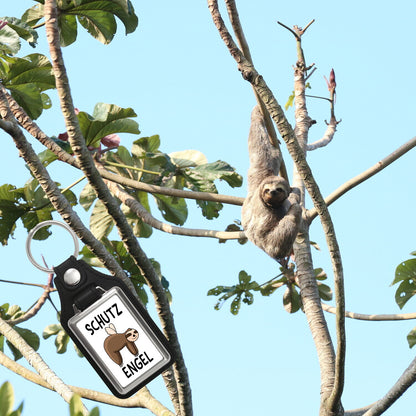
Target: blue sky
(179, 78)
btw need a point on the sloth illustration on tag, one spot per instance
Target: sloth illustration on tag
(93, 306)
(116, 342)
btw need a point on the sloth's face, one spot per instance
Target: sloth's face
(274, 193)
(132, 335)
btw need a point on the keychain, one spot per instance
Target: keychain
(107, 323)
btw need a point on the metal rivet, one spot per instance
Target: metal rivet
(72, 277)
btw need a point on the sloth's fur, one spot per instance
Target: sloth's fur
(271, 212)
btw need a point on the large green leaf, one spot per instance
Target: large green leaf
(96, 16)
(106, 119)
(11, 209)
(188, 158)
(291, 299)
(23, 29)
(101, 222)
(406, 275)
(219, 170)
(33, 15)
(9, 41)
(68, 29)
(173, 209)
(26, 79)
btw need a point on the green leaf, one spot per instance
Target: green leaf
(290, 100)
(100, 25)
(235, 305)
(106, 119)
(61, 342)
(47, 157)
(291, 299)
(405, 291)
(30, 337)
(75, 406)
(24, 30)
(33, 15)
(173, 209)
(10, 210)
(406, 274)
(9, 41)
(68, 29)
(51, 330)
(216, 290)
(219, 170)
(325, 292)
(97, 16)
(188, 158)
(95, 411)
(145, 145)
(26, 79)
(87, 197)
(320, 274)
(6, 399)
(18, 411)
(411, 338)
(101, 222)
(244, 278)
(139, 227)
(405, 270)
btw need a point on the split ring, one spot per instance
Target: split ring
(46, 224)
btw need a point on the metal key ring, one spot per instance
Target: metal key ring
(46, 224)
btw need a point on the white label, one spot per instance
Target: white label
(119, 339)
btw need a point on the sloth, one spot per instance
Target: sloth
(271, 213)
(116, 342)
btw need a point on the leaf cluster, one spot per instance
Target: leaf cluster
(147, 163)
(405, 275)
(27, 203)
(244, 290)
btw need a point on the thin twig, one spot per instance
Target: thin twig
(372, 317)
(352, 183)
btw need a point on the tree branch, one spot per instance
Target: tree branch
(148, 218)
(250, 74)
(241, 39)
(181, 390)
(142, 399)
(403, 383)
(352, 183)
(34, 310)
(372, 317)
(36, 361)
